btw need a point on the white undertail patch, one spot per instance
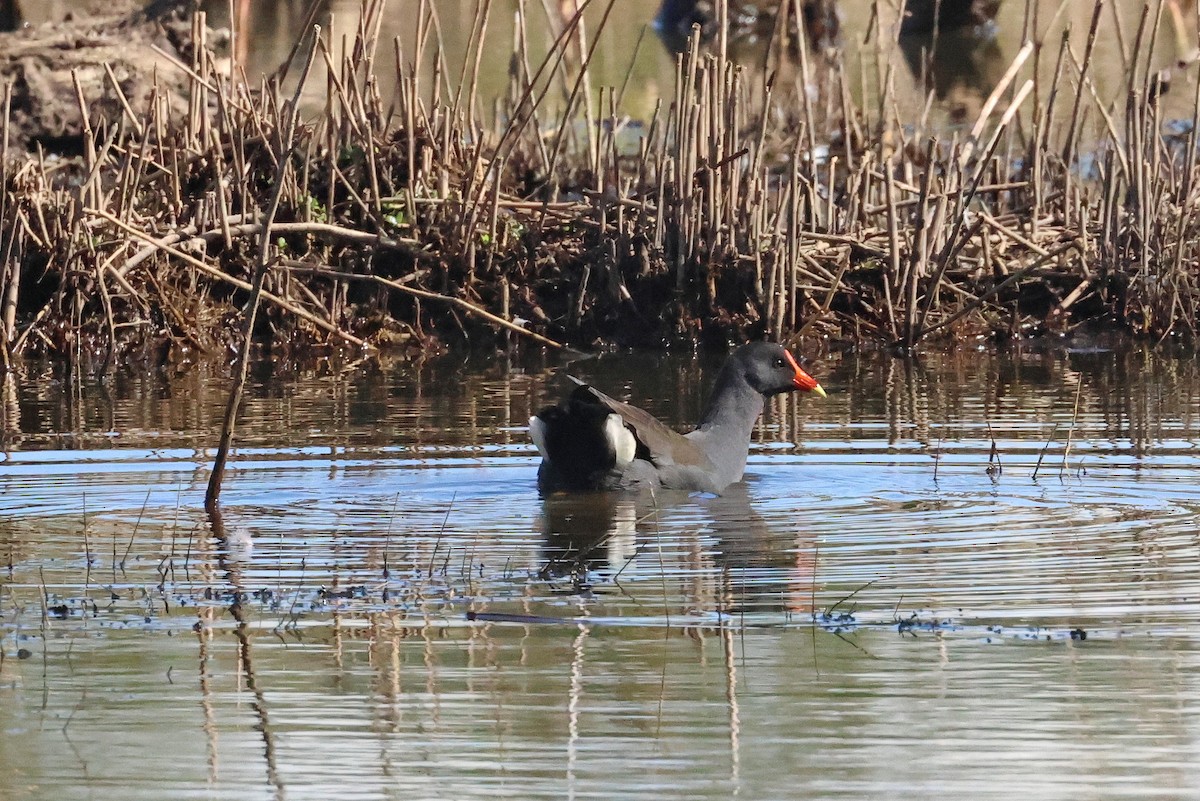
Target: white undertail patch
(621, 439)
(537, 432)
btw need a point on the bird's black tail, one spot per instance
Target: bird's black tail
(574, 440)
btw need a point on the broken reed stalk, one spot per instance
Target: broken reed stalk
(1071, 431)
(10, 271)
(995, 466)
(255, 228)
(1042, 453)
(287, 145)
(421, 293)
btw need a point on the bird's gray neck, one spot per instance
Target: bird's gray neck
(725, 428)
(736, 410)
(734, 405)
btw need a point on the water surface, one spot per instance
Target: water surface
(889, 607)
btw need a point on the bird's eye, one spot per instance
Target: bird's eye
(779, 362)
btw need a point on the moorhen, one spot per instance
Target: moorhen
(593, 442)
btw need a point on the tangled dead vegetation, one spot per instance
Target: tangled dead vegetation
(743, 208)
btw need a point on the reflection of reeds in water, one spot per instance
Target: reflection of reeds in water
(1131, 393)
(1133, 399)
(741, 208)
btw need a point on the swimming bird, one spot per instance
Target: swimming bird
(593, 442)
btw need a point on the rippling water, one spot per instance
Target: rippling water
(893, 605)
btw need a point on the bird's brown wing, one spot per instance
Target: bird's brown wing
(665, 446)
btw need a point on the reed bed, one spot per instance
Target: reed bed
(753, 203)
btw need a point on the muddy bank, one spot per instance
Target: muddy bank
(17, 13)
(117, 57)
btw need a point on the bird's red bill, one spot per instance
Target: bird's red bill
(802, 380)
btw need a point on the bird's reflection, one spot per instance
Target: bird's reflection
(594, 539)
(590, 536)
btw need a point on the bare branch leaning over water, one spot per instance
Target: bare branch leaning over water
(287, 146)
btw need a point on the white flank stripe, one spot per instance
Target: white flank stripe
(621, 439)
(537, 432)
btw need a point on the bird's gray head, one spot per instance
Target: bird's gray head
(770, 369)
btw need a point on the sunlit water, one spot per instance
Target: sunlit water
(386, 609)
